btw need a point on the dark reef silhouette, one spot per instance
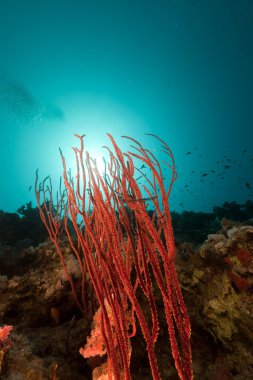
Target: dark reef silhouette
(25, 228)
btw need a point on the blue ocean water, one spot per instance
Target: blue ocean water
(180, 69)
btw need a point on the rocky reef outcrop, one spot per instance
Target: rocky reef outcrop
(48, 329)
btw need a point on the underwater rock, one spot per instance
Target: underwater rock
(42, 340)
(218, 283)
(48, 329)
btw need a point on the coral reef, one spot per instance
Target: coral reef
(218, 286)
(48, 329)
(23, 228)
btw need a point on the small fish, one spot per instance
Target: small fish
(227, 166)
(30, 188)
(189, 153)
(55, 315)
(248, 185)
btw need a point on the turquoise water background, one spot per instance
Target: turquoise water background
(180, 69)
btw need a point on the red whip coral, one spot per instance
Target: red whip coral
(95, 343)
(122, 249)
(5, 343)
